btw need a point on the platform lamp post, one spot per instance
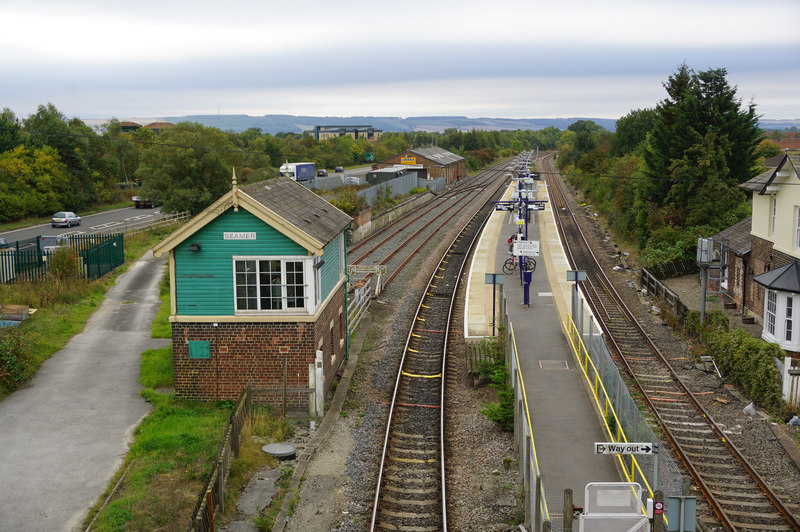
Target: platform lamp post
(493, 279)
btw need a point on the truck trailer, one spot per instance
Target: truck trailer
(299, 171)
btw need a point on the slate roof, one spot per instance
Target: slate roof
(299, 206)
(760, 182)
(738, 236)
(434, 153)
(785, 279)
(284, 204)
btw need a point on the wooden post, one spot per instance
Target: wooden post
(210, 509)
(285, 384)
(658, 520)
(569, 514)
(221, 486)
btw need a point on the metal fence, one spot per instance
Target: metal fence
(96, 255)
(213, 496)
(624, 422)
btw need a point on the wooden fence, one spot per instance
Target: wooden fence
(674, 268)
(656, 288)
(213, 496)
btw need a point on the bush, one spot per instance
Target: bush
(715, 321)
(749, 362)
(492, 364)
(13, 370)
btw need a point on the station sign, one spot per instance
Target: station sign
(526, 248)
(623, 448)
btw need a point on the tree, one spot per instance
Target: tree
(10, 130)
(632, 130)
(188, 168)
(700, 121)
(33, 182)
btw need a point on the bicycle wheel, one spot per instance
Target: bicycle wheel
(530, 264)
(509, 266)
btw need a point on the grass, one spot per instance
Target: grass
(175, 445)
(62, 308)
(174, 450)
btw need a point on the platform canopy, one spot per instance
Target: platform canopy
(784, 279)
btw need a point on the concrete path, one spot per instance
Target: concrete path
(66, 432)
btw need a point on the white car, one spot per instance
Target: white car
(66, 219)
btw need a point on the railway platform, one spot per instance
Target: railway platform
(565, 424)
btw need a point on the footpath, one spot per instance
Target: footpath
(66, 432)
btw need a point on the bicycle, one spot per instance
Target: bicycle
(510, 266)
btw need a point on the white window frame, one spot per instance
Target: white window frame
(797, 227)
(781, 317)
(774, 206)
(770, 312)
(310, 285)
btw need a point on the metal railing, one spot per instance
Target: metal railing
(622, 419)
(536, 513)
(213, 496)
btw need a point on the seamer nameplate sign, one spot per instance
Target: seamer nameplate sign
(250, 235)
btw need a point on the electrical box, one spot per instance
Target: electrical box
(705, 250)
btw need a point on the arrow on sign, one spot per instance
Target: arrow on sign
(623, 448)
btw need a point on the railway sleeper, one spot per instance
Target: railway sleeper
(411, 502)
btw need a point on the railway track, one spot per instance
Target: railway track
(734, 491)
(411, 486)
(398, 243)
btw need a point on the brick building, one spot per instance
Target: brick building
(257, 295)
(436, 162)
(775, 250)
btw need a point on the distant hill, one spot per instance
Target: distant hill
(297, 124)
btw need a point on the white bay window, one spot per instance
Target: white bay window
(780, 320)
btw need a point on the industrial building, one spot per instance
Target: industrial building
(356, 132)
(435, 161)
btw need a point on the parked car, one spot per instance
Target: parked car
(322, 172)
(4, 243)
(339, 170)
(66, 219)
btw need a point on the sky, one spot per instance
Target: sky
(501, 58)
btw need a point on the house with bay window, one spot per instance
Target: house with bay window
(775, 252)
(258, 295)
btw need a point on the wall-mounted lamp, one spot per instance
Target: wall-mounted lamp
(318, 265)
(194, 246)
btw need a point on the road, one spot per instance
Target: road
(103, 222)
(66, 432)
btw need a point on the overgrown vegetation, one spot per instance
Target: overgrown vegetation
(174, 451)
(493, 366)
(742, 359)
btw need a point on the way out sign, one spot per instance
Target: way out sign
(623, 448)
